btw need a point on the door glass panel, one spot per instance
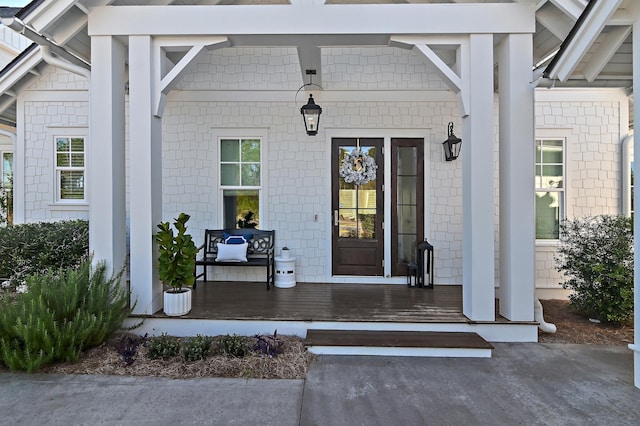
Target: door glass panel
(357, 208)
(406, 206)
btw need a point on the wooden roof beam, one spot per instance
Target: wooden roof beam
(571, 8)
(584, 38)
(609, 45)
(558, 25)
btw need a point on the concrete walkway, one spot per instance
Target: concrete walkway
(523, 384)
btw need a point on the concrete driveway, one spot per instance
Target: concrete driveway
(523, 384)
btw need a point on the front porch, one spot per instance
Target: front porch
(246, 308)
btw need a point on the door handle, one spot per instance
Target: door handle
(336, 218)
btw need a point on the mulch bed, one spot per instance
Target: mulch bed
(575, 328)
(293, 363)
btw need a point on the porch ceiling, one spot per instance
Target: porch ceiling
(605, 62)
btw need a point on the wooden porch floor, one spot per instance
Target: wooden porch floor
(326, 302)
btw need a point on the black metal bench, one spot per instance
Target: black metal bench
(260, 251)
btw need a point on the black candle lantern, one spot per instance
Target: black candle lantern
(452, 145)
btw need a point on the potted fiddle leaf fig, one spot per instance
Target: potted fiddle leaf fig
(176, 263)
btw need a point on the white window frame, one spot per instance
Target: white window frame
(235, 135)
(562, 191)
(58, 169)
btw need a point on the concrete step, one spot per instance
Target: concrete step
(398, 343)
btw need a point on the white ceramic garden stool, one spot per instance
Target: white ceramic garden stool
(285, 272)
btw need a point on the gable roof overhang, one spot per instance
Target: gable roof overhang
(597, 52)
(66, 23)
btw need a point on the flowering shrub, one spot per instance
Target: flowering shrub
(596, 255)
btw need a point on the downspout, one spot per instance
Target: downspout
(56, 61)
(18, 26)
(539, 318)
(627, 144)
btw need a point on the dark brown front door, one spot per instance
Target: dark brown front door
(358, 240)
(407, 201)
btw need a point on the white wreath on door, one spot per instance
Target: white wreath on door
(358, 168)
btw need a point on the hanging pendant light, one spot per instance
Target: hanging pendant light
(311, 115)
(311, 111)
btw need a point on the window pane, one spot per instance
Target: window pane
(552, 151)
(251, 175)
(407, 248)
(62, 144)
(250, 150)
(230, 174)
(551, 176)
(407, 190)
(357, 209)
(77, 160)
(368, 224)
(407, 161)
(241, 208)
(62, 160)
(71, 185)
(538, 151)
(7, 168)
(407, 225)
(229, 151)
(77, 144)
(548, 214)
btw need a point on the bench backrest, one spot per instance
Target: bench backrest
(262, 242)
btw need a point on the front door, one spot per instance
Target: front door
(358, 240)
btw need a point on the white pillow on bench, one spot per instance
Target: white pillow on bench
(232, 252)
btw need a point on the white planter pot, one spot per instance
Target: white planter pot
(285, 254)
(176, 304)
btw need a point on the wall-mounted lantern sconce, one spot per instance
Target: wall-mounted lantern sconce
(452, 145)
(311, 111)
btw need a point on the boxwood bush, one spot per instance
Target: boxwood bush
(596, 255)
(39, 247)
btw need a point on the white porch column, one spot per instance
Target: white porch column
(106, 160)
(636, 196)
(478, 292)
(517, 219)
(145, 177)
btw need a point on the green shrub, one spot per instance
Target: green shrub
(40, 247)
(596, 254)
(196, 348)
(163, 347)
(61, 314)
(233, 345)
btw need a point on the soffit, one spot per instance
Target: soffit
(65, 22)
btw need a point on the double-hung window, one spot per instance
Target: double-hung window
(550, 187)
(240, 181)
(70, 168)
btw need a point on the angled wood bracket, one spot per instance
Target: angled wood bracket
(167, 74)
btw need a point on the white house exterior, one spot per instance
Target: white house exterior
(11, 44)
(174, 89)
